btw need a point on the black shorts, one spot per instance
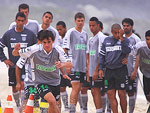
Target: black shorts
(31, 90)
(43, 89)
(116, 78)
(12, 76)
(65, 82)
(77, 76)
(146, 85)
(93, 84)
(131, 84)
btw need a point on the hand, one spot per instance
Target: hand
(17, 47)
(68, 70)
(18, 86)
(133, 75)
(121, 32)
(66, 77)
(95, 76)
(8, 62)
(101, 74)
(125, 61)
(58, 64)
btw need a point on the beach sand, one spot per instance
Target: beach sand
(5, 90)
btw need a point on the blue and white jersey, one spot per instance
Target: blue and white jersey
(55, 33)
(112, 52)
(32, 25)
(76, 43)
(93, 48)
(11, 38)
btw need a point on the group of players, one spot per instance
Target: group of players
(103, 64)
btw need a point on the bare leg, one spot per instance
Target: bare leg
(123, 100)
(53, 107)
(113, 101)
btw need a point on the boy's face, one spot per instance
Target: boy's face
(20, 21)
(148, 41)
(47, 19)
(115, 33)
(25, 11)
(93, 27)
(61, 30)
(79, 22)
(47, 44)
(127, 28)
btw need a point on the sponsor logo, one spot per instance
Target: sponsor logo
(114, 48)
(92, 52)
(12, 38)
(80, 47)
(47, 69)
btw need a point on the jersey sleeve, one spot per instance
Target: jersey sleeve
(21, 62)
(12, 25)
(88, 46)
(3, 43)
(27, 52)
(66, 40)
(62, 55)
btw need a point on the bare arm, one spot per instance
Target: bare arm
(134, 73)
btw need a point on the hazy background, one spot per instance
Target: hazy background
(108, 11)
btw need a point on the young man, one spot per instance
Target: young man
(114, 50)
(76, 41)
(47, 19)
(61, 28)
(21, 35)
(93, 48)
(143, 62)
(46, 60)
(28, 82)
(127, 24)
(32, 25)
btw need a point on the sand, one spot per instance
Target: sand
(5, 90)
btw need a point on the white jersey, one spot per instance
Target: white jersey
(32, 25)
(55, 33)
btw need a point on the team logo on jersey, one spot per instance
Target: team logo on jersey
(118, 42)
(122, 85)
(23, 38)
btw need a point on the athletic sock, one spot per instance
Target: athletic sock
(104, 103)
(99, 110)
(131, 104)
(22, 96)
(16, 98)
(80, 101)
(108, 105)
(72, 108)
(84, 102)
(64, 96)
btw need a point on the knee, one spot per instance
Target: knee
(51, 101)
(122, 94)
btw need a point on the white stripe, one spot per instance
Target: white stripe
(9, 104)
(30, 103)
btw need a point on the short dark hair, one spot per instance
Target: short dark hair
(48, 13)
(147, 33)
(61, 23)
(100, 24)
(115, 26)
(94, 19)
(23, 6)
(21, 14)
(128, 20)
(45, 34)
(39, 35)
(79, 15)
